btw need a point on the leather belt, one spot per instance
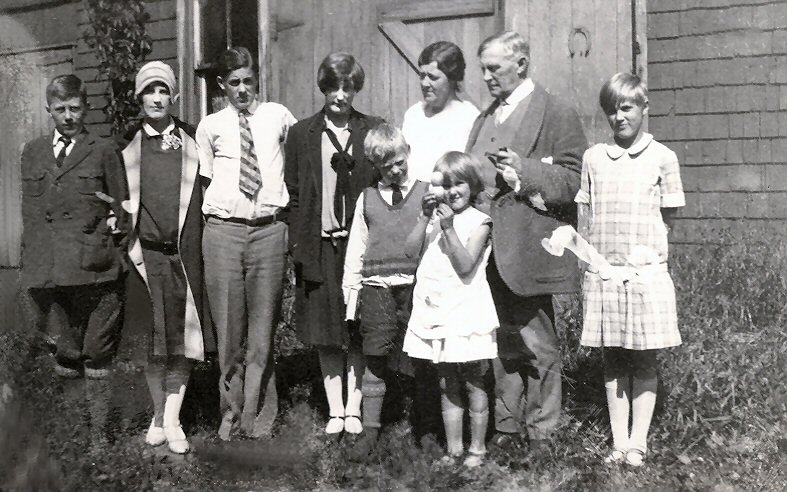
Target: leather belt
(256, 222)
(168, 248)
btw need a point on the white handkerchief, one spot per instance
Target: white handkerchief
(547, 160)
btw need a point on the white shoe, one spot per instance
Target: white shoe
(335, 425)
(176, 439)
(155, 435)
(352, 424)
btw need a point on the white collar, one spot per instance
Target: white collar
(56, 138)
(520, 93)
(255, 104)
(614, 151)
(334, 128)
(152, 131)
(404, 186)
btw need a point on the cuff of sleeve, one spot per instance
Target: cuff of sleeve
(672, 200)
(582, 197)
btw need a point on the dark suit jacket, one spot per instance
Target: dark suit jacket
(545, 127)
(303, 176)
(65, 240)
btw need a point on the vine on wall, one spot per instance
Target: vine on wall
(118, 36)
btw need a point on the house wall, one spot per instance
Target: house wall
(717, 76)
(162, 29)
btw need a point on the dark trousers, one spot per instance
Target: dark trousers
(527, 371)
(81, 321)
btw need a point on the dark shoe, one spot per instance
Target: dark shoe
(506, 441)
(363, 447)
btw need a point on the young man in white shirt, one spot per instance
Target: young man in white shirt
(241, 151)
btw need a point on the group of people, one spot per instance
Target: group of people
(417, 251)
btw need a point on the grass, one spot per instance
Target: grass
(719, 424)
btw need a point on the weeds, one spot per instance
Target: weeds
(718, 425)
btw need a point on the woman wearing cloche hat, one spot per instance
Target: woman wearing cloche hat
(165, 287)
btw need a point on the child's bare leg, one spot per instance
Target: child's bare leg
(644, 385)
(451, 404)
(355, 370)
(617, 382)
(332, 365)
(479, 405)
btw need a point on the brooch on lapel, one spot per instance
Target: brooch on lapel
(170, 141)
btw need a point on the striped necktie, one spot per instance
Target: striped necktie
(250, 179)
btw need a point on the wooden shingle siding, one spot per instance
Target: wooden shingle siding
(717, 76)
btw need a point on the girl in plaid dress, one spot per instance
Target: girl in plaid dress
(628, 195)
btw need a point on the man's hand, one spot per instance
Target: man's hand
(509, 166)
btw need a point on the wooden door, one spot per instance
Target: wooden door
(575, 46)
(23, 82)
(385, 36)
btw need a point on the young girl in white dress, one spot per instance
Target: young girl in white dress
(453, 319)
(628, 195)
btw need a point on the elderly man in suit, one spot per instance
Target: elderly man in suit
(71, 265)
(533, 145)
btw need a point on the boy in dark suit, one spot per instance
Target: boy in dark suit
(70, 263)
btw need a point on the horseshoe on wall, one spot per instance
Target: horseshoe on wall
(572, 36)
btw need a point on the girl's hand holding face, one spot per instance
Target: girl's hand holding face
(446, 215)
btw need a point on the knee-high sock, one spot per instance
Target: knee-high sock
(178, 372)
(644, 391)
(453, 411)
(479, 413)
(355, 368)
(618, 402)
(332, 365)
(373, 389)
(154, 374)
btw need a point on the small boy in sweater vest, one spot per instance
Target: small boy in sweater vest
(378, 272)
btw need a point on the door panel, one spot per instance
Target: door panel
(597, 31)
(599, 34)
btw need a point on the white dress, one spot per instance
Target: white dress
(453, 319)
(430, 137)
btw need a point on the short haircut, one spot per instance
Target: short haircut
(234, 58)
(622, 87)
(340, 70)
(65, 87)
(383, 142)
(512, 41)
(458, 166)
(448, 57)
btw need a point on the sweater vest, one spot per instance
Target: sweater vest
(389, 226)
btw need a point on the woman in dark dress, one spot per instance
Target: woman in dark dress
(165, 284)
(325, 172)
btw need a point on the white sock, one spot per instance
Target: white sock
(644, 391)
(618, 402)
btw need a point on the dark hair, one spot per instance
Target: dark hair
(234, 58)
(622, 87)
(458, 166)
(449, 59)
(65, 87)
(340, 70)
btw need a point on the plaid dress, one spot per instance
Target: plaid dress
(626, 189)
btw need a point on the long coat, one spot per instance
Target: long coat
(547, 134)
(198, 335)
(65, 238)
(303, 176)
